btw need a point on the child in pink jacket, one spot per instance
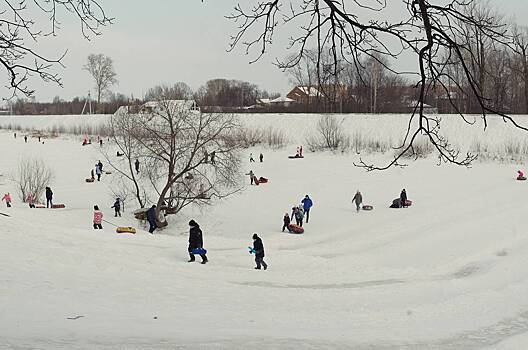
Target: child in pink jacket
(30, 200)
(98, 218)
(7, 199)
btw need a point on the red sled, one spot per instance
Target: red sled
(408, 203)
(293, 228)
(263, 180)
(58, 206)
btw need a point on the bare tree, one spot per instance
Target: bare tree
(32, 177)
(433, 32)
(520, 39)
(175, 142)
(19, 27)
(178, 91)
(101, 68)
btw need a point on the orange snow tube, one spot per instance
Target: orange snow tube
(295, 228)
(58, 206)
(125, 230)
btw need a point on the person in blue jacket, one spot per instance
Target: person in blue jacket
(151, 218)
(307, 204)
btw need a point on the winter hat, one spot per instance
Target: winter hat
(255, 236)
(193, 223)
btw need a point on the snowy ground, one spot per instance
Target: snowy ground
(446, 273)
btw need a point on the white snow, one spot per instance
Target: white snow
(447, 273)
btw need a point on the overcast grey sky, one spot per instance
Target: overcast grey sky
(165, 41)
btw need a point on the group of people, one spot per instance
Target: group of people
(299, 212)
(252, 160)
(31, 199)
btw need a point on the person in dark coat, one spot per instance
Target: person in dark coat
(151, 218)
(117, 207)
(100, 165)
(25, 139)
(213, 155)
(49, 197)
(261, 157)
(403, 198)
(258, 249)
(137, 166)
(286, 222)
(195, 241)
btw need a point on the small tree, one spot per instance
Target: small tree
(329, 134)
(101, 68)
(32, 177)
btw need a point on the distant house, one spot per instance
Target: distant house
(154, 106)
(428, 109)
(282, 102)
(304, 94)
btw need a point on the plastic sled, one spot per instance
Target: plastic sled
(108, 172)
(58, 206)
(263, 180)
(40, 206)
(521, 178)
(125, 230)
(89, 180)
(295, 157)
(295, 228)
(199, 251)
(367, 207)
(408, 203)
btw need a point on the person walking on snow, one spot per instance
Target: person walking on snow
(403, 198)
(358, 199)
(307, 204)
(261, 157)
(258, 249)
(25, 139)
(30, 199)
(98, 172)
(117, 207)
(49, 197)
(136, 164)
(151, 218)
(251, 160)
(195, 241)
(251, 176)
(286, 222)
(300, 155)
(97, 218)
(7, 198)
(100, 166)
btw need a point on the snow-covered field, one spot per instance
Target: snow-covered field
(447, 273)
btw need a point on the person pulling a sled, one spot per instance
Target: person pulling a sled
(258, 250)
(195, 241)
(358, 199)
(49, 197)
(7, 198)
(97, 218)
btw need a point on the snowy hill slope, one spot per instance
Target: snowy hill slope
(446, 273)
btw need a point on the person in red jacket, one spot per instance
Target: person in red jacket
(97, 218)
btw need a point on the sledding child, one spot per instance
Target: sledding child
(117, 207)
(258, 250)
(30, 199)
(520, 175)
(358, 199)
(251, 160)
(97, 218)
(286, 222)
(7, 198)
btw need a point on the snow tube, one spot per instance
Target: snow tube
(108, 172)
(295, 228)
(408, 203)
(199, 251)
(58, 206)
(367, 207)
(521, 178)
(125, 230)
(295, 157)
(263, 180)
(89, 180)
